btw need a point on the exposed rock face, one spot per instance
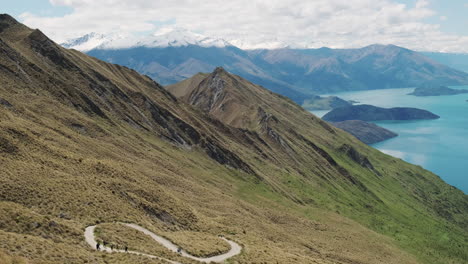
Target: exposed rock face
(5, 103)
(429, 90)
(373, 113)
(6, 146)
(224, 156)
(6, 21)
(368, 133)
(352, 153)
(215, 85)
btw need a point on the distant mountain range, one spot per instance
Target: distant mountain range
(171, 56)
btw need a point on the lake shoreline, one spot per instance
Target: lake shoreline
(437, 145)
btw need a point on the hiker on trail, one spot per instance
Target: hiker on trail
(126, 249)
(179, 250)
(112, 246)
(98, 246)
(104, 243)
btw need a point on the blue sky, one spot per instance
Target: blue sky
(435, 25)
(454, 11)
(37, 7)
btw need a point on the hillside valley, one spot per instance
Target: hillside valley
(84, 142)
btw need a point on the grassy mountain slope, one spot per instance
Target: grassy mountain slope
(83, 141)
(286, 128)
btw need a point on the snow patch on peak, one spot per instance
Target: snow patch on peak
(177, 37)
(271, 45)
(99, 41)
(86, 42)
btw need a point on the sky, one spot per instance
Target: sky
(423, 25)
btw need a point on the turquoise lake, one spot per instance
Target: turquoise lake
(440, 146)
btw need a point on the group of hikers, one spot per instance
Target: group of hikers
(111, 246)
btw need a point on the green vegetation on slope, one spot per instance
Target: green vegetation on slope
(389, 195)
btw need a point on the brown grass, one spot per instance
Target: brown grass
(197, 243)
(7, 259)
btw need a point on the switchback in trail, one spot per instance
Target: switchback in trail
(91, 240)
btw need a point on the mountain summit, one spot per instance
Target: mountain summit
(7, 20)
(87, 42)
(227, 97)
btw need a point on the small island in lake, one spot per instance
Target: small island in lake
(368, 133)
(436, 91)
(374, 113)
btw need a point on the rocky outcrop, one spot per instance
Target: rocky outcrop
(5, 103)
(47, 48)
(357, 157)
(215, 86)
(224, 156)
(6, 21)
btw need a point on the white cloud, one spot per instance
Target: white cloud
(258, 23)
(443, 18)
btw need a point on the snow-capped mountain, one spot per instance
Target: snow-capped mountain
(247, 45)
(177, 37)
(86, 42)
(165, 37)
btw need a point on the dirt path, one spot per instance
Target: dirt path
(235, 248)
